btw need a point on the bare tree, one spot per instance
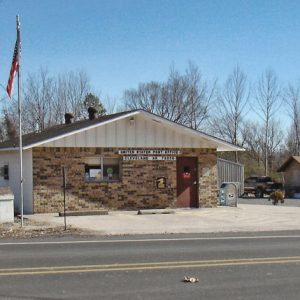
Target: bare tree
(110, 104)
(47, 99)
(146, 97)
(267, 105)
(173, 97)
(200, 95)
(72, 89)
(231, 108)
(182, 98)
(251, 135)
(60, 102)
(38, 97)
(292, 99)
(275, 141)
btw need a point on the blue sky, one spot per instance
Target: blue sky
(121, 43)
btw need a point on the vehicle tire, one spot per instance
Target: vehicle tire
(259, 193)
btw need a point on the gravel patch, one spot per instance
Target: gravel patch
(34, 229)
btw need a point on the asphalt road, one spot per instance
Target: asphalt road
(264, 201)
(242, 266)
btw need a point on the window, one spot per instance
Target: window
(111, 168)
(102, 169)
(264, 179)
(250, 180)
(6, 172)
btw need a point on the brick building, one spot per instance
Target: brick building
(127, 160)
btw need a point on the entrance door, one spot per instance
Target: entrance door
(187, 194)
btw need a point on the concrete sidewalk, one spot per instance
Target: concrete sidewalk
(243, 218)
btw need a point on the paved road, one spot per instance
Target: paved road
(152, 267)
(264, 201)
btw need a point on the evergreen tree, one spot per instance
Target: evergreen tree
(92, 100)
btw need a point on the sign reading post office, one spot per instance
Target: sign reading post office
(149, 154)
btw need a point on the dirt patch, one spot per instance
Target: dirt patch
(32, 229)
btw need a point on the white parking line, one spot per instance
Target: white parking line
(154, 240)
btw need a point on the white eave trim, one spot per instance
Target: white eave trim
(10, 149)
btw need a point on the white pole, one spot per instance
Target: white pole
(20, 122)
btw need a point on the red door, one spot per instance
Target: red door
(187, 188)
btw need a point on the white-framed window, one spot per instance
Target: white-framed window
(102, 169)
(4, 172)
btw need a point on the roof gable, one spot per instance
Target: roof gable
(135, 128)
(288, 162)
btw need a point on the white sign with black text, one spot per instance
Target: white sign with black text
(142, 157)
(149, 152)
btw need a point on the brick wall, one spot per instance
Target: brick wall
(136, 189)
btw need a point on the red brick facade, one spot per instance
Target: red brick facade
(136, 188)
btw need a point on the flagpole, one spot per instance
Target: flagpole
(20, 123)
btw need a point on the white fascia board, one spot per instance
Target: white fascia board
(224, 146)
(13, 149)
(80, 130)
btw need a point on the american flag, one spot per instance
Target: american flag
(15, 64)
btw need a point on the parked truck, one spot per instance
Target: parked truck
(261, 185)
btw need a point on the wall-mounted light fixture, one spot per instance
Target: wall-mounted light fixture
(131, 120)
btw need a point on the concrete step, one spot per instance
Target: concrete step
(155, 211)
(84, 213)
